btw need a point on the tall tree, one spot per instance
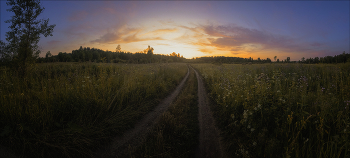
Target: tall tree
(275, 58)
(25, 32)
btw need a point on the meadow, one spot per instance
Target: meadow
(281, 110)
(65, 109)
(176, 132)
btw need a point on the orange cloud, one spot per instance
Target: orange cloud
(206, 51)
(123, 35)
(161, 32)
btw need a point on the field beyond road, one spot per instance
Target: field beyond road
(281, 110)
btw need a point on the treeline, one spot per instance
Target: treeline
(88, 54)
(222, 59)
(341, 58)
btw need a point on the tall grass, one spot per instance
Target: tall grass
(282, 110)
(70, 109)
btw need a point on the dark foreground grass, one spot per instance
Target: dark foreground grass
(72, 109)
(176, 133)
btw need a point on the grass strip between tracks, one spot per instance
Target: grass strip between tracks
(176, 133)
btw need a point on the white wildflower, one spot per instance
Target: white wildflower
(252, 129)
(245, 114)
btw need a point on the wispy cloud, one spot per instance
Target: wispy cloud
(78, 15)
(53, 42)
(161, 32)
(236, 38)
(123, 35)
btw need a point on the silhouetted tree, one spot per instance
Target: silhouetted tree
(25, 32)
(118, 49)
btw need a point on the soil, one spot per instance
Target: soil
(209, 135)
(133, 137)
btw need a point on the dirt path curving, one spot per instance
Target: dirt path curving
(133, 137)
(209, 135)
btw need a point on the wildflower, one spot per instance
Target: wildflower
(248, 126)
(252, 129)
(233, 116)
(259, 105)
(254, 143)
(82, 81)
(306, 140)
(245, 114)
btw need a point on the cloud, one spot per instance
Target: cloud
(206, 51)
(123, 35)
(79, 30)
(164, 44)
(161, 31)
(236, 38)
(78, 15)
(53, 42)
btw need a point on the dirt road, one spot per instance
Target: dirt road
(209, 136)
(132, 137)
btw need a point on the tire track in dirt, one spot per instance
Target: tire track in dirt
(209, 135)
(133, 137)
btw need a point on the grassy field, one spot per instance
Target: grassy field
(176, 133)
(281, 110)
(72, 108)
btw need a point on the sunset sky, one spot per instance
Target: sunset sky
(255, 29)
